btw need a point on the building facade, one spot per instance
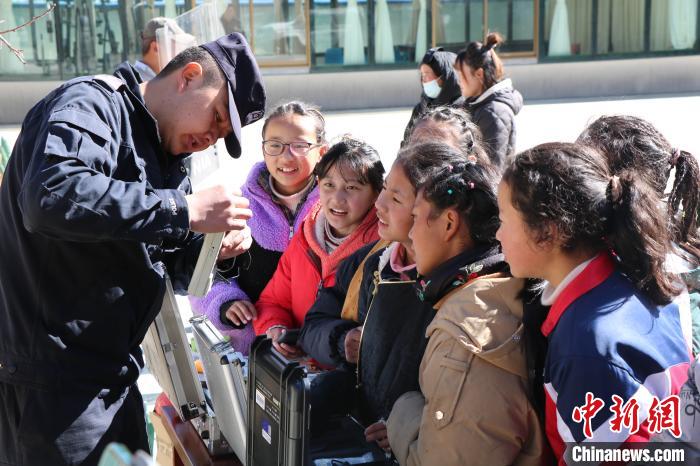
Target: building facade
(92, 36)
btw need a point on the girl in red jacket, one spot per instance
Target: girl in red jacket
(350, 177)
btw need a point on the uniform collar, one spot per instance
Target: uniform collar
(131, 78)
(596, 272)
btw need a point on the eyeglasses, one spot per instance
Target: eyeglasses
(275, 148)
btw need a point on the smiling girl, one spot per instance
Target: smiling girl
(350, 177)
(281, 189)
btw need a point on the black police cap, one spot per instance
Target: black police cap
(246, 92)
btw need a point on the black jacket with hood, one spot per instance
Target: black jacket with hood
(393, 339)
(442, 63)
(494, 113)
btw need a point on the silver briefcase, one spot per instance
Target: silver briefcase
(226, 372)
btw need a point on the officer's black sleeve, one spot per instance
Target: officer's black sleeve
(69, 192)
(180, 259)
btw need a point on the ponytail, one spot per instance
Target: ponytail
(483, 56)
(685, 194)
(636, 236)
(631, 143)
(570, 187)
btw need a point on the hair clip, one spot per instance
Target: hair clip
(449, 168)
(472, 158)
(449, 191)
(675, 156)
(470, 184)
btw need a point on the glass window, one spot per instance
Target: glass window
(235, 16)
(568, 27)
(279, 31)
(79, 37)
(673, 25)
(339, 32)
(371, 32)
(459, 22)
(515, 20)
(615, 27)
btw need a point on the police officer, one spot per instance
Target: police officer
(95, 205)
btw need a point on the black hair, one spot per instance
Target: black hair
(353, 156)
(450, 179)
(296, 107)
(482, 56)
(146, 44)
(466, 133)
(213, 76)
(570, 187)
(631, 143)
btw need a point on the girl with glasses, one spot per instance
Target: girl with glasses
(282, 189)
(350, 177)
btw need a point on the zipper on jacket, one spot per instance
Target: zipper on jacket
(291, 231)
(377, 280)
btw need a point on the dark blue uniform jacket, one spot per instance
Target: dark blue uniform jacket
(91, 213)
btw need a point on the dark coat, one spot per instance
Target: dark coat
(91, 213)
(393, 338)
(442, 63)
(494, 113)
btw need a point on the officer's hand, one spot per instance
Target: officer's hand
(217, 209)
(235, 243)
(241, 312)
(352, 345)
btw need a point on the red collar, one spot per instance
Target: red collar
(593, 275)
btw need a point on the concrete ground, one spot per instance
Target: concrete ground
(677, 116)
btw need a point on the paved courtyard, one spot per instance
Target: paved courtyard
(678, 117)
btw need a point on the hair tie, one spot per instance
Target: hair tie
(470, 184)
(675, 156)
(449, 168)
(472, 159)
(615, 189)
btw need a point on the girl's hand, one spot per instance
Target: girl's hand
(235, 243)
(241, 312)
(377, 433)
(288, 351)
(352, 345)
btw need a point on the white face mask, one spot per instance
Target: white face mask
(432, 88)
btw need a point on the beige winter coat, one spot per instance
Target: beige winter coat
(474, 407)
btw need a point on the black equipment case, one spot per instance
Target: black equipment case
(278, 419)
